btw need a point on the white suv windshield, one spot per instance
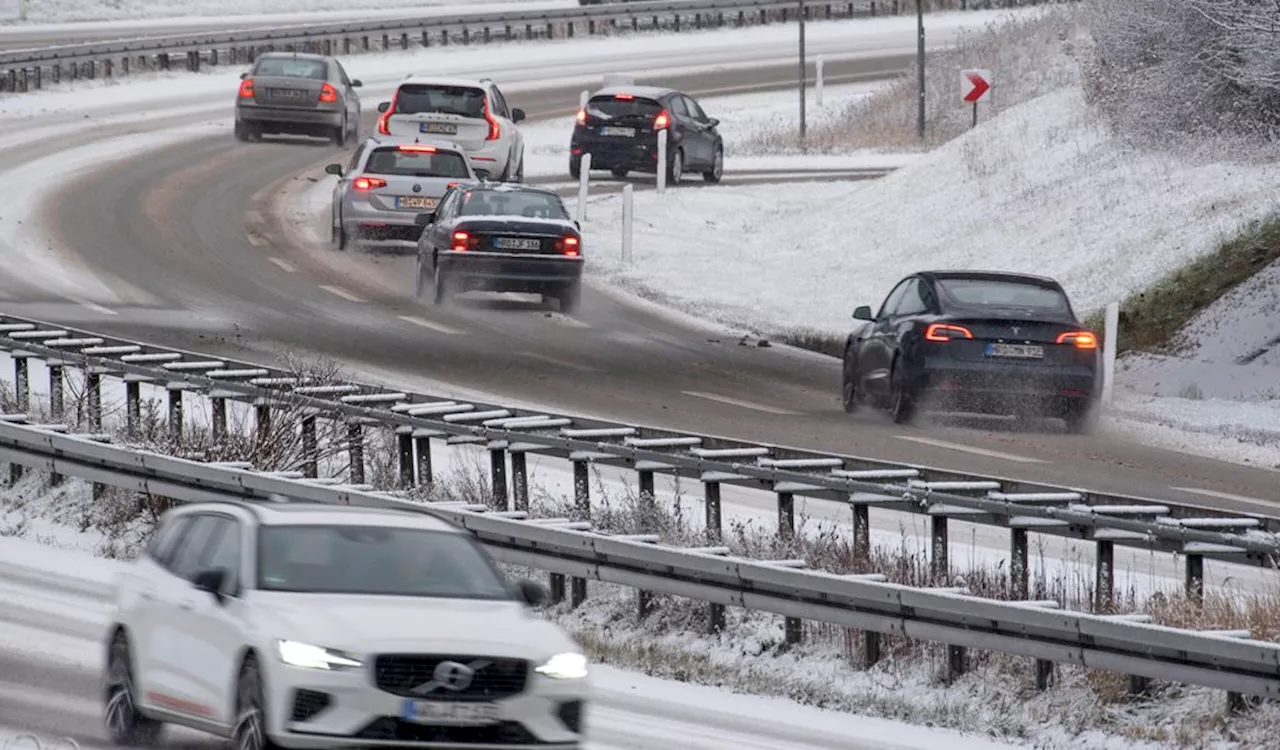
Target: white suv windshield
(375, 560)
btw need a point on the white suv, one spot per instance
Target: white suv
(314, 626)
(473, 114)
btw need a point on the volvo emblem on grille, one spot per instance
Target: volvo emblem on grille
(450, 675)
(417, 188)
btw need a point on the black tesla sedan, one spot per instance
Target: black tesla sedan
(974, 341)
(500, 237)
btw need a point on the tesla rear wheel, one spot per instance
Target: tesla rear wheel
(849, 392)
(901, 402)
(125, 725)
(717, 167)
(1080, 420)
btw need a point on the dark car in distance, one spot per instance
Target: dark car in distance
(619, 127)
(500, 237)
(974, 341)
(297, 94)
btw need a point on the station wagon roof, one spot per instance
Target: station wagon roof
(473, 83)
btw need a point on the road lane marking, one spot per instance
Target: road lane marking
(739, 402)
(284, 264)
(565, 320)
(258, 241)
(560, 362)
(969, 449)
(253, 217)
(431, 325)
(339, 291)
(1219, 495)
(94, 306)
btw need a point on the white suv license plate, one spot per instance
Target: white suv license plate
(517, 243)
(1016, 351)
(449, 714)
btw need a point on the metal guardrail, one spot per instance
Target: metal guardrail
(1226, 660)
(510, 434)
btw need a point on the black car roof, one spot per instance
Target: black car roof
(644, 92)
(505, 187)
(990, 276)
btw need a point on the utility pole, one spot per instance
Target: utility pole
(803, 82)
(920, 65)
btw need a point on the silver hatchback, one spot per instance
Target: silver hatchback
(387, 184)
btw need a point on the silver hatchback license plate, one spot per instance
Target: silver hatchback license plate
(449, 714)
(620, 132)
(1016, 351)
(517, 243)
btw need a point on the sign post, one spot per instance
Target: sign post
(975, 85)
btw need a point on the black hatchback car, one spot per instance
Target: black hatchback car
(500, 237)
(974, 341)
(619, 127)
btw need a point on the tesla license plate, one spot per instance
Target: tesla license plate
(516, 243)
(442, 714)
(1015, 351)
(413, 201)
(439, 128)
(622, 132)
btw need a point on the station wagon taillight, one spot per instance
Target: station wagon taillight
(946, 332)
(246, 88)
(328, 93)
(463, 241)
(365, 184)
(1079, 339)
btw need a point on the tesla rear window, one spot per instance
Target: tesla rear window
(993, 293)
(375, 560)
(416, 98)
(609, 108)
(393, 161)
(530, 204)
(291, 68)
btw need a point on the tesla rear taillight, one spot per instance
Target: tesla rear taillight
(461, 241)
(946, 332)
(662, 121)
(365, 184)
(568, 245)
(246, 88)
(1079, 339)
(328, 93)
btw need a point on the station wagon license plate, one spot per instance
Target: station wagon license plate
(287, 93)
(449, 714)
(413, 201)
(621, 132)
(516, 243)
(1016, 351)
(439, 128)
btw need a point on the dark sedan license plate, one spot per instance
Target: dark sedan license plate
(1016, 351)
(516, 243)
(439, 128)
(287, 93)
(449, 714)
(413, 201)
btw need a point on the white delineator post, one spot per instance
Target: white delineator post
(818, 84)
(662, 160)
(628, 213)
(582, 99)
(584, 177)
(1110, 332)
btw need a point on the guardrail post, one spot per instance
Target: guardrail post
(56, 399)
(1195, 578)
(1104, 584)
(1238, 703)
(519, 480)
(21, 383)
(1019, 582)
(786, 515)
(1139, 686)
(644, 599)
(957, 662)
(132, 406)
(262, 419)
(422, 446)
(93, 393)
(555, 585)
(582, 501)
(404, 451)
(498, 477)
(219, 418)
(870, 649)
(1044, 674)
(310, 454)
(175, 409)
(711, 496)
(862, 532)
(938, 524)
(355, 452)
(551, 31)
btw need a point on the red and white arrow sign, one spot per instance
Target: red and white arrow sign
(974, 85)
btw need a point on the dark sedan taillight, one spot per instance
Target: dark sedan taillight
(569, 245)
(463, 241)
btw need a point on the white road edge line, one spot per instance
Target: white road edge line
(969, 449)
(738, 402)
(431, 325)
(258, 241)
(1219, 495)
(284, 264)
(560, 362)
(340, 292)
(94, 306)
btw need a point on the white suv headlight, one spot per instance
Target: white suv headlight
(305, 655)
(564, 667)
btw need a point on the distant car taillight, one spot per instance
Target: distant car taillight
(568, 245)
(384, 124)
(462, 241)
(662, 121)
(582, 116)
(246, 88)
(1079, 339)
(946, 332)
(328, 93)
(365, 184)
(495, 128)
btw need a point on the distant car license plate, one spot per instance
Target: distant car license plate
(442, 714)
(413, 201)
(1016, 351)
(439, 128)
(622, 132)
(516, 243)
(287, 93)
